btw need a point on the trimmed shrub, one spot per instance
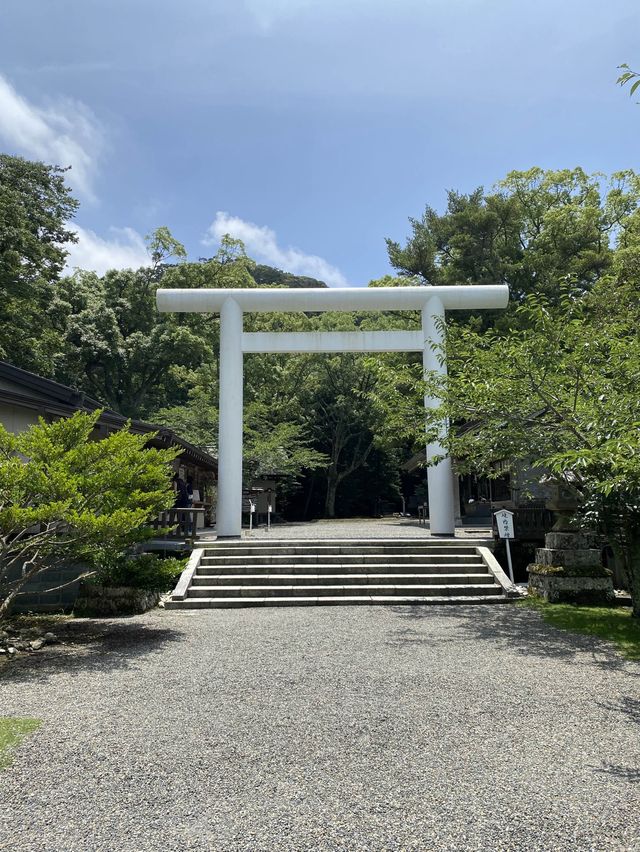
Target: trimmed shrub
(145, 571)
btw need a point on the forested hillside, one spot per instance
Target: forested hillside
(265, 275)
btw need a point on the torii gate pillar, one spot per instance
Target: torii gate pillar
(229, 508)
(234, 342)
(439, 476)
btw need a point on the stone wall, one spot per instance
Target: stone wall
(38, 599)
(557, 588)
(96, 601)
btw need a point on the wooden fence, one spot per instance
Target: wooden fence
(178, 524)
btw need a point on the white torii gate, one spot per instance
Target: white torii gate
(234, 342)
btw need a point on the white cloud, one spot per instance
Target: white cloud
(65, 133)
(125, 251)
(266, 13)
(261, 244)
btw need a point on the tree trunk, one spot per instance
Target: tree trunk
(330, 501)
(633, 572)
(626, 549)
(7, 603)
(307, 502)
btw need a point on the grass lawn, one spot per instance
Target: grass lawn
(11, 732)
(613, 623)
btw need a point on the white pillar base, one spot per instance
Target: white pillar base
(441, 510)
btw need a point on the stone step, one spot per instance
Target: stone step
(340, 590)
(356, 600)
(220, 580)
(304, 572)
(270, 541)
(342, 559)
(475, 567)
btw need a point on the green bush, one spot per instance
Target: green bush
(66, 499)
(145, 571)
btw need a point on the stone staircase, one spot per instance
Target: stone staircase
(340, 572)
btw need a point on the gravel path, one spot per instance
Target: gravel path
(372, 728)
(355, 528)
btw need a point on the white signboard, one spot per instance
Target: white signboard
(504, 522)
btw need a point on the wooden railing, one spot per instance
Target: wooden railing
(182, 524)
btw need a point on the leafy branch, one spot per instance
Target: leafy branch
(629, 76)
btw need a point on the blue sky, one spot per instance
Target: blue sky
(311, 129)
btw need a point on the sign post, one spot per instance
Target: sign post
(252, 508)
(504, 521)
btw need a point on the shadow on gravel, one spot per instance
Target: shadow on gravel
(91, 646)
(407, 637)
(624, 773)
(629, 707)
(520, 631)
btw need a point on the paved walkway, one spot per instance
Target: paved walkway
(372, 728)
(354, 528)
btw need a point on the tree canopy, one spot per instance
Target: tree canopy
(535, 231)
(35, 208)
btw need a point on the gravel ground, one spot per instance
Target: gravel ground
(369, 728)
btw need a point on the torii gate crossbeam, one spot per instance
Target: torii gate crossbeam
(234, 342)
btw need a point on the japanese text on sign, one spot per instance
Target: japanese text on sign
(504, 522)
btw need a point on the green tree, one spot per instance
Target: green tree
(274, 442)
(306, 414)
(340, 419)
(162, 245)
(534, 231)
(117, 346)
(35, 208)
(327, 397)
(66, 498)
(562, 391)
